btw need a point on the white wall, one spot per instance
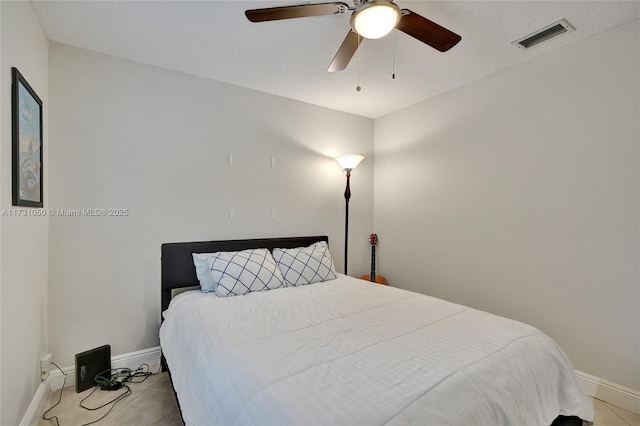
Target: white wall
(519, 194)
(157, 142)
(24, 240)
(2, 92)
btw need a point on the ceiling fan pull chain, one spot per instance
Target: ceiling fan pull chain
(393, 55)
(358, 88)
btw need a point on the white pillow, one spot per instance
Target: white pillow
(207, 284)
(305, 265)
(241, 272)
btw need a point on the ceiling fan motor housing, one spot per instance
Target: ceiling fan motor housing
(375, 18)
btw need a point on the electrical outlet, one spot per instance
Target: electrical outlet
(45, 366)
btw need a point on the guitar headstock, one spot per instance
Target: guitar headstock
(373, 239)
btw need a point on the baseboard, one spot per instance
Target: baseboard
(131, 360)
(614, 394)
(38, 404)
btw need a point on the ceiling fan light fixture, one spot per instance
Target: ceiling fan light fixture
(375, 18)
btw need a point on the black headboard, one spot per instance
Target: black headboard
(177, 270)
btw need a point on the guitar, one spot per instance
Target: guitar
(373, 240)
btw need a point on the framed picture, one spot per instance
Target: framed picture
(26, 110)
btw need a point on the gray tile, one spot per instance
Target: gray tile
(162, 384)
(153, 403)
(150, 408)
(151, 381)
(631, 418)
(605, 416)
(69, 411)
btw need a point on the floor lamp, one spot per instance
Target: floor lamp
(348, 162)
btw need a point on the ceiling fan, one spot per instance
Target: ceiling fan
(370, 19)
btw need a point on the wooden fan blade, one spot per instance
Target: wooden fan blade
(300, 11)
(427, 31)
(346, 52)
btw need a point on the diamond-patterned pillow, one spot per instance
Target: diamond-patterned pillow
(241, 272)
(305, 265)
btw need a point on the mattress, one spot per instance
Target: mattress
(350, 352)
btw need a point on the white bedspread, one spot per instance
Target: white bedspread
(349, 352)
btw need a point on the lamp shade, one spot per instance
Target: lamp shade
(349, 161)
(375, 18)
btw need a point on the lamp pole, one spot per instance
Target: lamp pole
(348, 162)
(347, 197)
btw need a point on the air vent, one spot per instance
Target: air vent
(544, 34)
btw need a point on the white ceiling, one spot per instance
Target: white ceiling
(289, 58)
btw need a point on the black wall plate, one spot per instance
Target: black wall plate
(91, 363)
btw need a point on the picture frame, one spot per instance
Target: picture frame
(26, 111)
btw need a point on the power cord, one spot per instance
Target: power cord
(112, 379)
(113, 402)
(44, 415)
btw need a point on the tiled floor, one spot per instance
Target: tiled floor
(153, 403)
(610, 415)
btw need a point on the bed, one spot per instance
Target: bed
(350, 352)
